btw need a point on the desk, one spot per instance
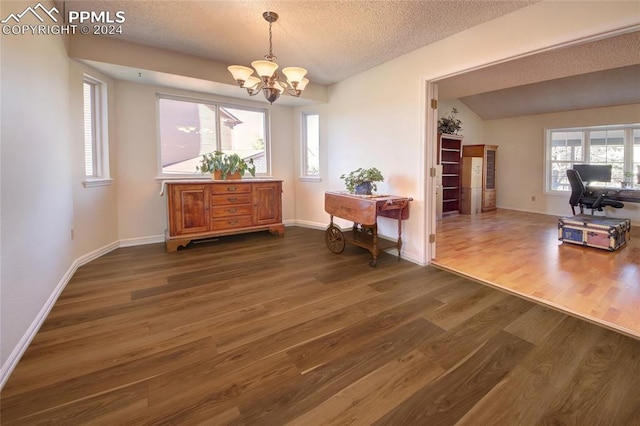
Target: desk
(363, 211)
(619, 194)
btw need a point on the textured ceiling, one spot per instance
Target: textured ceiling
(618, 86)
(333, 40)
(337, 39)
(590, 75)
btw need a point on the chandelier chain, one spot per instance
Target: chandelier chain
(270, 56)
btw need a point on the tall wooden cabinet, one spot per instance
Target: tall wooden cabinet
(449, 150)
(489, 155)
(216, 208)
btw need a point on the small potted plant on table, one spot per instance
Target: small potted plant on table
(362, 181)
(225, 166)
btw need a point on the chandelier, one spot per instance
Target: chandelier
(269, 82)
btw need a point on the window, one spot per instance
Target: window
(618, 146)
(636, 155)
(310, 145)
(190, 129)
(96, 146)
(90, 165)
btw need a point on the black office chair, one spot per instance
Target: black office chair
(579, 196)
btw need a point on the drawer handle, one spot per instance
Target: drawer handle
(232, 210)
(232, 199)
(231, 188)
(233, 222)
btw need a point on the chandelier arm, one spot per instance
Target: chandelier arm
(252, 91)
(292, 92)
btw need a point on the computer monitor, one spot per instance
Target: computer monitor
(594, 172)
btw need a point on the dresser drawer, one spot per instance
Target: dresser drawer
(231, 188)
(490, 200)
(231, 210)
(231, 222)
(214, 208)
(222, 200)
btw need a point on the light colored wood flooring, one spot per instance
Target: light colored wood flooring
(520, 252)
(264, 330)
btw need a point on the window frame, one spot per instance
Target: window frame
(304, 159)
(217, 104)
(100, 136)
(628, 144)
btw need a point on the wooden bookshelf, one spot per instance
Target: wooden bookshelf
(449, 156)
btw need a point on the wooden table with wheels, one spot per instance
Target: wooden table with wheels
(363, 211)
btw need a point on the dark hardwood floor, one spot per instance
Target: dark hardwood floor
(265, 330)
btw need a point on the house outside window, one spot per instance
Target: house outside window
(190, 129)
(310, 145)
(96, 140)
(618, 146)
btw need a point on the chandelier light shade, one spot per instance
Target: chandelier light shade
(268, 81)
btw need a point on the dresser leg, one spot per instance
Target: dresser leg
(277, 229)
(172, 245)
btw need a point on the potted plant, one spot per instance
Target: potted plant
(449, 123)
(362, 181)
(223, 166)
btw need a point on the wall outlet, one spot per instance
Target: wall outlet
(72, 233)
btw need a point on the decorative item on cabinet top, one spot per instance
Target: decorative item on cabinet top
(225, 166)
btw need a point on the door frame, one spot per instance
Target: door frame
(429, 118)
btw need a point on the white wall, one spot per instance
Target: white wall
(95, 221)
(41, 191)
(141, 210)
(376, 118)
(520, 140)
(520, 162)
(472, 125)
(37, 206)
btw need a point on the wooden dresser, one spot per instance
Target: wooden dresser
(209, 209)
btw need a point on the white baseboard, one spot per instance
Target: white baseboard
(309, 224)
(392, 251)
(8, 367)
(130, 242)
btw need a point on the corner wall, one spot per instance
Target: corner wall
(37, 204)
(41, 192)
(520, 161)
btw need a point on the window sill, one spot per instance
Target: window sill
(182, 177)
(310, 179)
(93, 182)
(206, 177)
